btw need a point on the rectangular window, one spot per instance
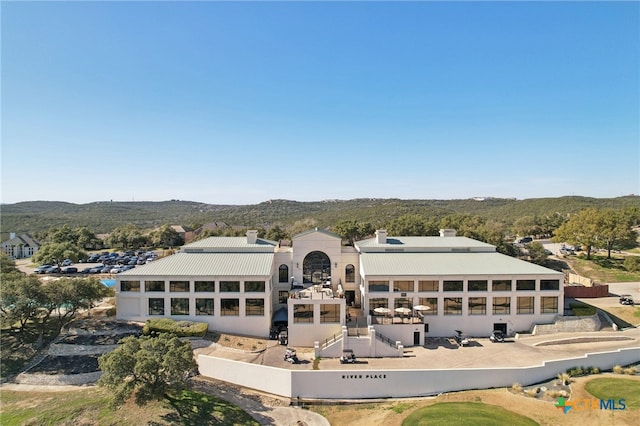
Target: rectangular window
(229, 286)
(452, 285)
(130, 286)
(525, 285)
(330, 313)
(378, 286)
(229, 307)
(178, 286)
(156, 306)
(377, 303)
(154, 286)
(401, 302)
(254, 286)
(501, 305)
(180, 306)
(254, 307)
(431, 303)
(549, 285)
(453, 305)
(477, 285)
(525, 305)
(403, 286)
(430, 285)
(205, 286)
(477, 306)
(302, 313)
(549, 305)
(204, 306)
(501, 285)
(283, 295)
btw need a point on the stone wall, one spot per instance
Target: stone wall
(569, 324)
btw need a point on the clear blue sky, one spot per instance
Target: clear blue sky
(239, 103)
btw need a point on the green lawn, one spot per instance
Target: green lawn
(465, 413)
(614, 388)
(90, 406)
(601, 269)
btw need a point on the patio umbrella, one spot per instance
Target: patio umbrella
(403, 310)
(421, 308)
(382, 310)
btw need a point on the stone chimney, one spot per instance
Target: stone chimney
(381, 236)
(447, 232)
(252, 237)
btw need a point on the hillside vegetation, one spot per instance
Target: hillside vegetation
(103, 217)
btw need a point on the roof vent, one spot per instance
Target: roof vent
(252, 237)
(381, 236)
(447, 232)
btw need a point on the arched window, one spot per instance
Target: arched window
(283, 274)
(350, 274)
(316, 268)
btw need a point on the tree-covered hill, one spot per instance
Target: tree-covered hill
(102, 217)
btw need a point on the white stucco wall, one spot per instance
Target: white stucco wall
(358, 384)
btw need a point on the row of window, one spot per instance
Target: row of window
(458, 285)
(205, 306)
(349, 273)
(303, 313)
(199, 286)
(475, 305)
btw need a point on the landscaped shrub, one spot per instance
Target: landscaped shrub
(179, 328)
(632, 371)
(556, 393)
(564, 378)
(516, 387)
(618, 369)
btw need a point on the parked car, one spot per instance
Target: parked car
(52, 270)
(524, 240)
(70, 270)
(67, 262)
(626, 299)
(42, 269)
(86, 271)
(96, 269)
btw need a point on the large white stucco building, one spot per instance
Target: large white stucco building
(408, 288)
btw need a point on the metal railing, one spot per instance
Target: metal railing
(331, 340)
(385, 339)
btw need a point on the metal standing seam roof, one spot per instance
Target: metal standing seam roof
(207, 264)
(429, 243)
(229, 242)
(389, 264)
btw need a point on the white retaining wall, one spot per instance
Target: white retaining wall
(356, 384)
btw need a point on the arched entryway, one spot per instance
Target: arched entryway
(316, 268)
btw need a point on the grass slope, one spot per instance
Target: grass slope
(465, 413)
(90, 407)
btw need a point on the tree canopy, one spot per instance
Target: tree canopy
(25, 298)
(166, 236)
(150, 368)
(594, 228)
(56, 253)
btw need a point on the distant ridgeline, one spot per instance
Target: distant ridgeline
(104, 216)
